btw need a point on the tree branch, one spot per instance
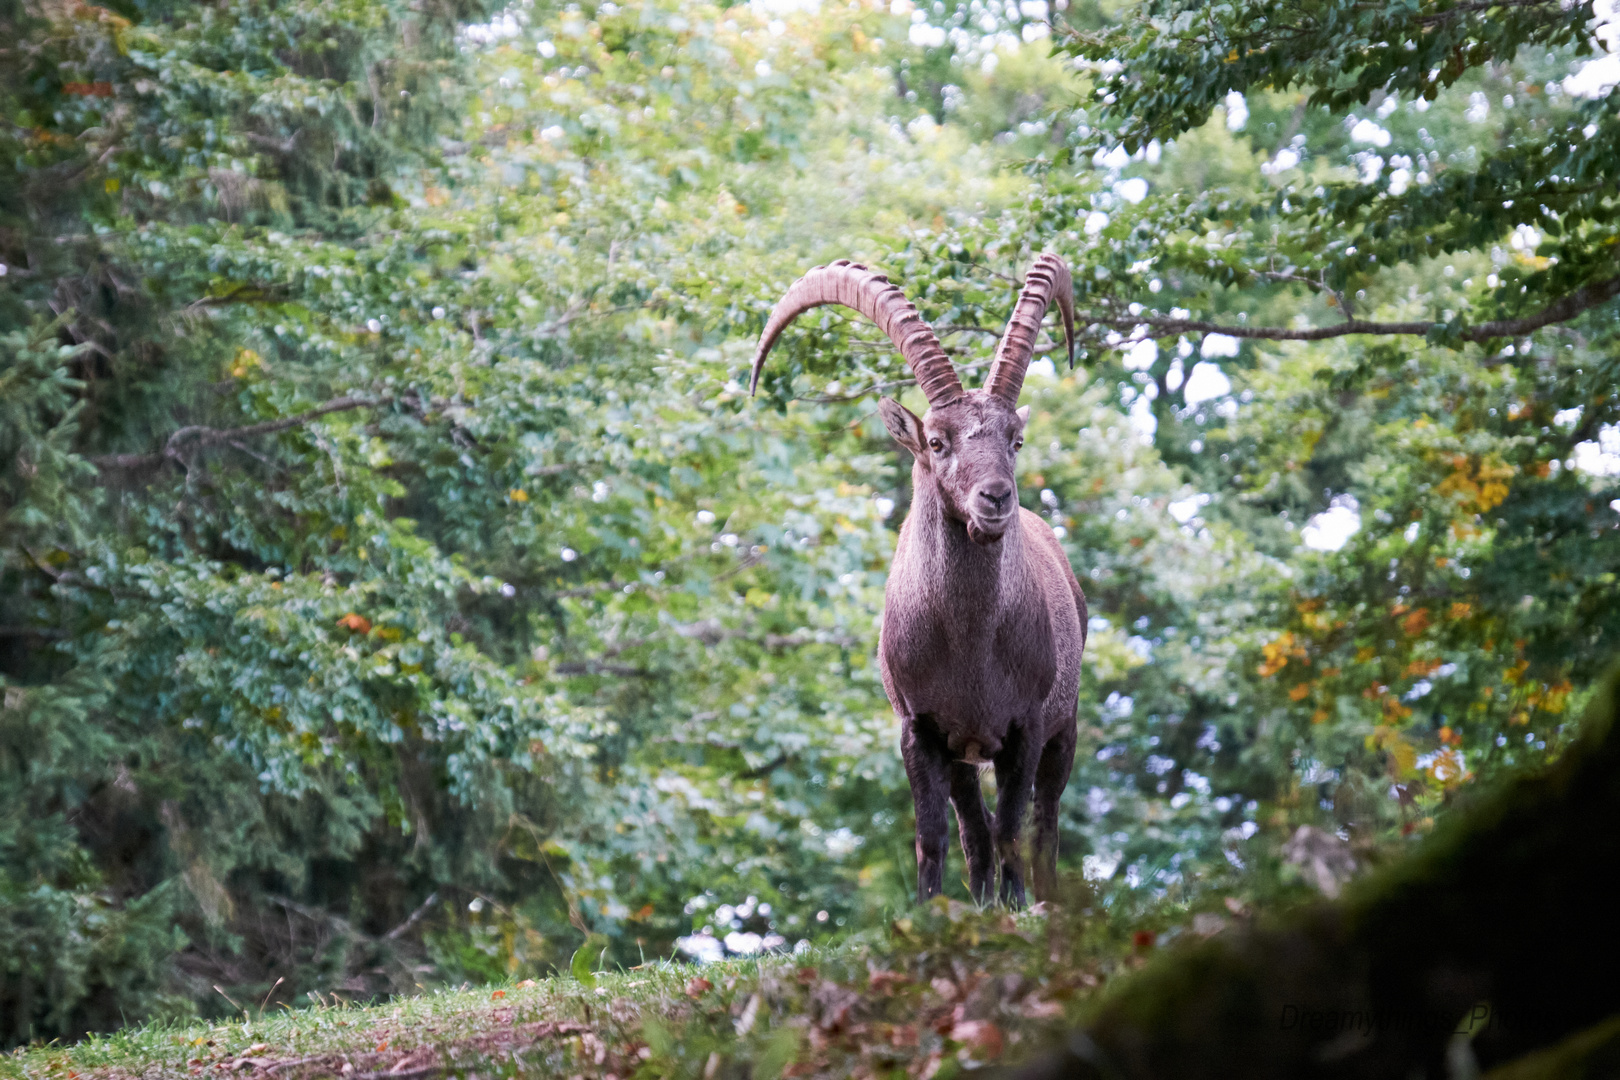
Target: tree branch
(247, 293)
(879, 388)
(594, 667)
(707, 632)
(1320, 286)
(415, 917)
(201, 438)
(279, 146)
(765, 769)
(1582, 299)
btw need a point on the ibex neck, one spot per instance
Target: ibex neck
(967, 571)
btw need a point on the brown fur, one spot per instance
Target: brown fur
(983, 627)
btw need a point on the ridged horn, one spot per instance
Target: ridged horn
(1047, 281)
(869, 293)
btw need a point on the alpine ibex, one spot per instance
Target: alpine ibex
(983, 621)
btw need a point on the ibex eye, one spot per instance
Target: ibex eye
(935, 445)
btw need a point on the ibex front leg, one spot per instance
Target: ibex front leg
(973, 821)
(1015, 779)
(928, 768)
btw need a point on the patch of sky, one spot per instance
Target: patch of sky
(1400, 178)
(503, 26)
(1600, 456)
(1098, 803)
(1332, 528)
(1140, 356)
(1237, 111)
(1100, 866)
(1184, 510)
(1117, 706)
(1116, 158)
(1133, 190)
(926, 35)
(1143, 422)
(1597, 78)
(1206, 381)
(1367, 131)
(1287, 157)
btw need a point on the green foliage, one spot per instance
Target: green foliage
(399, 588)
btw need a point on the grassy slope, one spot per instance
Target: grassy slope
(948, 987)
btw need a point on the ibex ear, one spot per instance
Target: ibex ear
(903, 424)
(1023, 416)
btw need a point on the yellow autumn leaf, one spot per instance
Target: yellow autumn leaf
(246, 360)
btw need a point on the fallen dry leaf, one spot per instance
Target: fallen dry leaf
(1038, 1009)
(981, 1035)
(698, 987)
(885, 981)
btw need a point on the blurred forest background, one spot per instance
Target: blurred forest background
(398, 587)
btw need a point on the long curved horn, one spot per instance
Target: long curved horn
(1047, 281)
(869, 293)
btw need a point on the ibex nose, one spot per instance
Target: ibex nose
(997, 496)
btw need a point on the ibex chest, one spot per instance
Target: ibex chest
(970, 663)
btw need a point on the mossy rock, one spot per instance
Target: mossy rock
(1594, 1054)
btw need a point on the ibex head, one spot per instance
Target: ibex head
(967, 441)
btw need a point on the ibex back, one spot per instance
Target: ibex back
(984, 622)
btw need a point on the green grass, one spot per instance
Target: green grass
(948, 988)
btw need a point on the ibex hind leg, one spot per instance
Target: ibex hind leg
(973, 821)
(1051, 777)
(1015, 774)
